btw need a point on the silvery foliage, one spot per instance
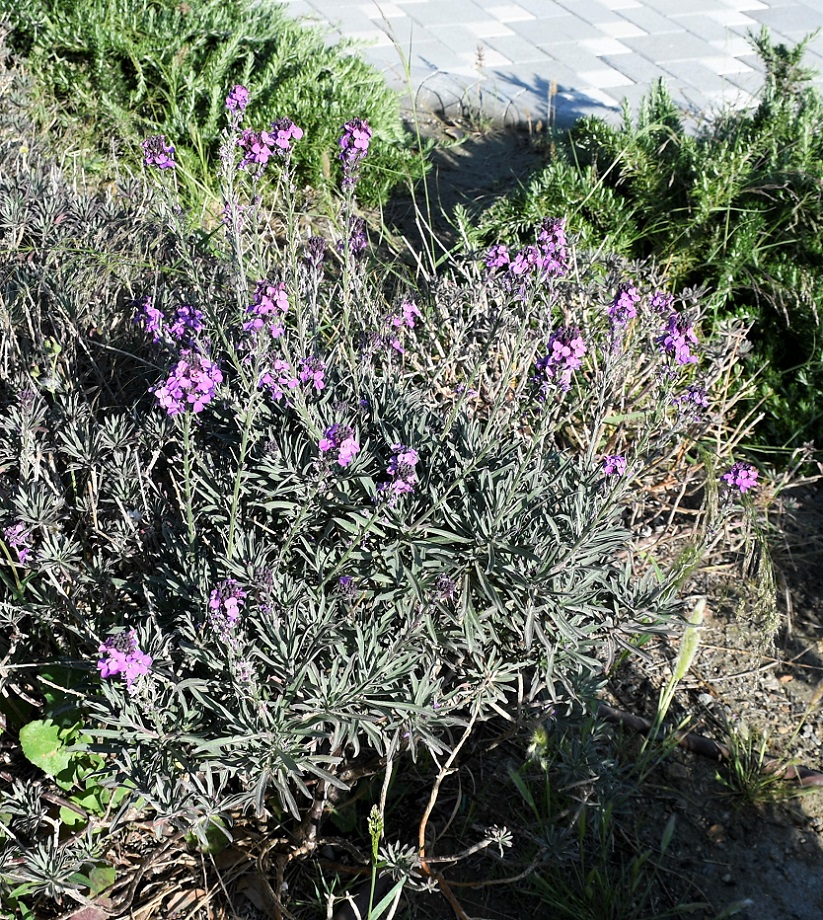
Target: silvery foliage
(499, 586)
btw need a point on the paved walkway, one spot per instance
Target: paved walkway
(519, 57)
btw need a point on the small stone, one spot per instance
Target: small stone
(676, 772)
(727, 878)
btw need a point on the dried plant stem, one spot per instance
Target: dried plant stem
(444, 771)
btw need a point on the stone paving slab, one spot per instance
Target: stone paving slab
(531, 60)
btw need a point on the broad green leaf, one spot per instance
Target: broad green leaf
(43, 746)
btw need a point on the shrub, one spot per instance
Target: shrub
(736, 206)
(280, 516)
(120, 70)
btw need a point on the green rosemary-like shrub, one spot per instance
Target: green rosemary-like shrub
(115, 71)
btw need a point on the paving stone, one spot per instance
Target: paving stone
(567, 29)
(591, 11)
(634, 66)
(511, 12)
(673, 46)
(605, 78)
(621, 29)
(649, 20)
(460, 39)
(672, 7)
(597, 50)
(744, 5)
(490, 29)
(735, 45)
(543, 9)
(731, 18)
(447, 12)
(601, 46)
(516, 48)
(700, 25)
(696, 74)
(791, 19)
(573, 57)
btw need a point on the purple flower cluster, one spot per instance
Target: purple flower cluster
(357, 241)
(545, 259)
(186, 324)
(614, 465)
(121, 655)
(280, 379)
(271, 303)
(18, 537)
(156, 152)
(552, 241)
(624, 306)
(677, 339)
(403, 320)
(341, 439)
(661, 303)
(354, 145)
(192, 384)
(237, 99)
(692, 402)
(401, 468)
(225, 603)
(260, 146)
(565, 351)
(312, 372)
(314, 252)
(742, 476)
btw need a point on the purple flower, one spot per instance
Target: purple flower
(156, 152)
(279, 380)
(624, 306)
(314, 253)
(346, 587)
(237, 99)
(565, 351)
(233, 214)
(401, 468)
(693, 401)
(409, 312)
(614, 465)
(151, 317)
(283, 132)
(121, 655)
(525, 261)
(188, 321)
(225, 603)
(312, 371)
(256, 147)
(354, 145)
(742, 476)
(444, 587)
(341, 439)
(497, 257)
(271, 303)
(403, 320)
(551, 239)
(661, 302)
(357, 241)
(18, 537)
(192, 384)
(677, 339)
